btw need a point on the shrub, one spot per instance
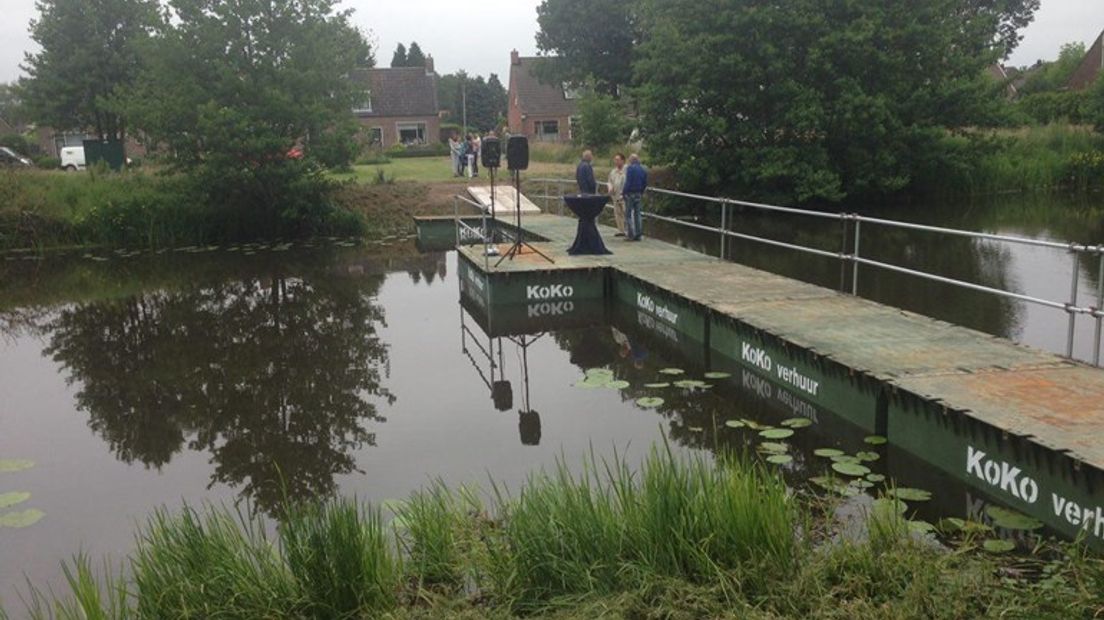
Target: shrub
(1055, 107)
(400, 151)
(47, 163)
(603, 122)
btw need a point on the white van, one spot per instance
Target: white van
(72, 158)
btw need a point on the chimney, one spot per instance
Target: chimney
(429, 65)
(515, 58)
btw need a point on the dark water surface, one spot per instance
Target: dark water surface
(135, 382)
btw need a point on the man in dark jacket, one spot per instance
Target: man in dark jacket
(636, 182)
(584, 175)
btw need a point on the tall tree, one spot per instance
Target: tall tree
(398, 59)
(415, 57)
(12, 110)
(89, 50)
(596, 39)
(809, 100)
(1052, 76)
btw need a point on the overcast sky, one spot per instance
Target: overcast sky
(477, 35)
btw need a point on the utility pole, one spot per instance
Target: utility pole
(464, 102)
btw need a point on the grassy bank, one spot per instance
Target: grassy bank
(679, 538)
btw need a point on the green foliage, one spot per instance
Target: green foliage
(20, 144)
(1052, 76)
(841, 103)
(401, 151)
(486, 100)
(398, 59)
(12, 110)
(414, 56)
(595, 38)
(434, 524)
(603, 123)
(1056, 107)
(1095, 104)
(89, 51)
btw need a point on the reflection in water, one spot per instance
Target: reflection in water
(274, 376)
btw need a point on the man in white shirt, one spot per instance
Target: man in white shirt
(616, 185)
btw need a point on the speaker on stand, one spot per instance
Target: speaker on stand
(517, 159)
(491, 156)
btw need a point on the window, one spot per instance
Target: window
(573, 128)
(572, 91)
(411, 133)
(364, 104)
(548, 131)
(375, 136)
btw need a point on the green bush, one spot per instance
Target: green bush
(400, 151)
(47, 163)
(603, 122)
(1056, 107)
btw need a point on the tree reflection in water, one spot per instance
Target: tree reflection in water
(276, 377)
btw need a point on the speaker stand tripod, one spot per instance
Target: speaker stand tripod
(519, 242)
(492, 249)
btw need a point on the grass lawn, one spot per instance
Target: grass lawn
(439, 170)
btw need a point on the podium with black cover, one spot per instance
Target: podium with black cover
(587, 207)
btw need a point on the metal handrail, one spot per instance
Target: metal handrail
(854, 257)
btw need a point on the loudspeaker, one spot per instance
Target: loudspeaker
(491, 152)
(517, 153)
(529, 428)
(503, 395)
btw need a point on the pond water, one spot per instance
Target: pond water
(135, 381)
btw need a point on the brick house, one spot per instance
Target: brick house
(1090, 67)
(540, 110)
(399, 105)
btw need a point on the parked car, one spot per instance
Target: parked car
(11, 159)
(72, 158)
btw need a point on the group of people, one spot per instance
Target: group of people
(626, 189)
(465, 154)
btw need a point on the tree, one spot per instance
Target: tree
(89, 52)
(415, 57)
(1094, 102)
(231, 88)
(12, 110)
(1052, 76)
(602, 122)
(596, 39)
(486, 99)
(398, 59)
(813, 101)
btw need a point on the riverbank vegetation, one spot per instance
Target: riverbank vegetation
(682, 537)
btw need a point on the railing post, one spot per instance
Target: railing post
(1071, 307)
(547, 196)
(724, 225)
(456, 219)
(855, 258)
(1099, 309)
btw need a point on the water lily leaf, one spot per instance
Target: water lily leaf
(875, 477)
(590, 384)
(25, 518)
(951, 524)
(851, 469)
(921, 527)
(695, 429)
(11, 499)
(797, 422)
(657, 386)
(827, 452)
(867, 456)
(735, 424)
(909, 494)
(780, 459)
(689, 383)
(875, 440)
(649, 402)
(776, 433)
(775, 447)
(618, 385)
(752, 424)
(672, 371)
(598, 372)
(844, 458)
(859, 483)
(717, 375)
(996, 545)
(1012, 520)
(888, 505)
(10, 465)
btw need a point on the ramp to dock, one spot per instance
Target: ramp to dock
(505, 201)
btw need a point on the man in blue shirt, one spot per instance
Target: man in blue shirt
(636, 181)
(584, 175)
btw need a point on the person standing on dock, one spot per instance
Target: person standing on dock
(456, 151)
(584, 174)
(616, 192)
(636, 182)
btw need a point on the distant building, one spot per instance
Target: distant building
(538, 109)
(399, 105)
(1090, 66)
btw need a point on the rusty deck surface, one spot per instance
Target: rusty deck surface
(1055, 402)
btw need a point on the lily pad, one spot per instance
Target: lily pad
(776, 433)
(10, 465)
(996, 545)
(867, 456)
(875, 440)
(752, 424)
(851, 469)
(888, 506)
(797, 422)
(17, 519)
(672, 371)
(598, 372)
(875, 477)
(11, 499)
(780, 459)
(827, 452)
(1012, 520)
(689, 383)
(649, 402)
(735, 424)
(845, 458)
(921, 527)
(717, 375)
(695, 429)
(909, 494)
(951, 525)
(618, 385)
(657, 386)
(829, 483)
(591, 383)
(775, 447)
